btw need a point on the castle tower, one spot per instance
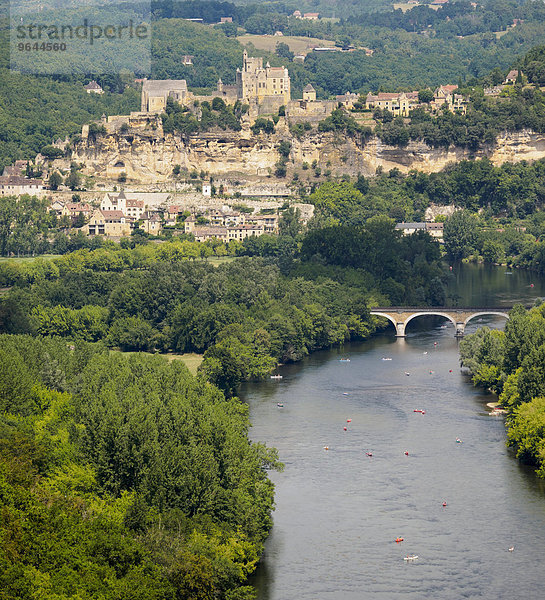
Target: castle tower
(309, 93)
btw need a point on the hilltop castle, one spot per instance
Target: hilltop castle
(258, 84)
(264, 87)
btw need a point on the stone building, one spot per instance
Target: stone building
(444, 94)
(93, 88)
(399, 104)
(155, 93)
(309, 93)
(13, 185)
(257, 83)
(130, 207)
(111, 223)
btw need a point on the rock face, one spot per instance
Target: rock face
(149, 156)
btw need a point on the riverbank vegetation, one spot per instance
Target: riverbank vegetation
(124, 476)
(499, 210)
(512, 365)
(288, 296)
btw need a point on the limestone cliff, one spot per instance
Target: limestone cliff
(148, 155)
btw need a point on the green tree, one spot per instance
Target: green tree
(55, 180)
(492, 251)
(425, 95)
(283, 50)
(460, 234)
(73, 180)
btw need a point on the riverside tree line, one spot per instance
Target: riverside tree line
(511, 363)
(295, 295)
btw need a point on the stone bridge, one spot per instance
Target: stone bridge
(459, 317)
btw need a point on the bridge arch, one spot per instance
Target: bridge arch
(431, 313)
(399, 327)
(485, 313)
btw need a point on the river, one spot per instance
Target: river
(339, 511)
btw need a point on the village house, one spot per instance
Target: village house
(189, 224)
(114, 202)
(128, 206)
(444, 94)
(93, 88)
(311, 16)
(268, 222)
(434, 229)
(203, 234)
(171, 215)
(151, 223)
(241, 232)
(511, 78)
(134, 208)
(348, 99)
(14, 185)
(18, 168)
(74, 209)
(410, 228)
(399, 104)
(218, 217)
(57, 207)
(110, 223)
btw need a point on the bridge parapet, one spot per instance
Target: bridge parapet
(400, 316)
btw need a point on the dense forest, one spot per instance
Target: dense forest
(510, 189)
(511, 364)
(124, 477)
(288, 297)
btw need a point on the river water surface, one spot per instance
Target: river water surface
(339, 511)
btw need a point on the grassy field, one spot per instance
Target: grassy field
(405, 7)
(220, 260)
(297, 44)
(29, 258)
(191, 360)
(214, 260)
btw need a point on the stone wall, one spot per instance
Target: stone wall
(299, 111)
